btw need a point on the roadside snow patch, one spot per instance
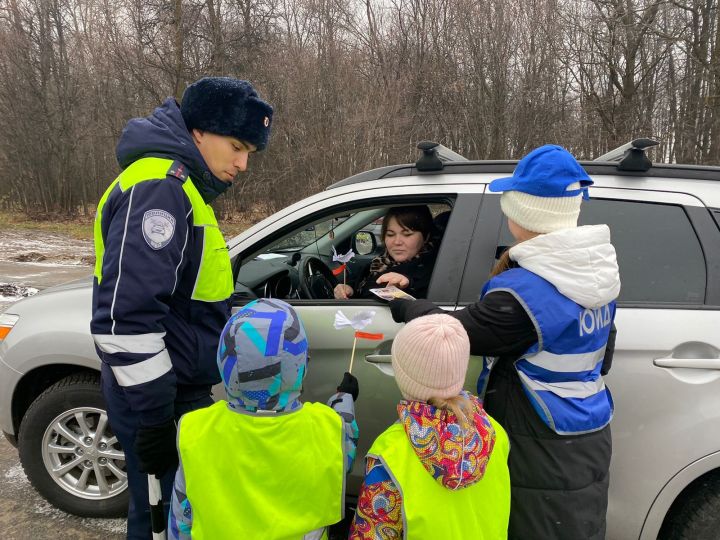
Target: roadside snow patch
(11, 292)
(28, 246)
(16, 475)
(44, 508)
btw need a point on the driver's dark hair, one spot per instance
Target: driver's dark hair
(415, 218)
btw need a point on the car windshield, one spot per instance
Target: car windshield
(323, 233)
(305, 237)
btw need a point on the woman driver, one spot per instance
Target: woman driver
(408, 259)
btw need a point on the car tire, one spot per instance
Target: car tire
(697, 516)
(69, 452)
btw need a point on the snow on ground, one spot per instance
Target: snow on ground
(32, 260)
(44, 249)
(11, 292)
(15, 485)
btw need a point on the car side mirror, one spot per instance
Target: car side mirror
(364, 243)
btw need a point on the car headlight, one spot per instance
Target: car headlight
(7, 321)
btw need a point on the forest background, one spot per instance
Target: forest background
(355, 85)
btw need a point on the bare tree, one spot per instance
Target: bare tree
(355, 83)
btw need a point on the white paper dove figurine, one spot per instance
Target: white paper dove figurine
(342, 258)
(358, 322)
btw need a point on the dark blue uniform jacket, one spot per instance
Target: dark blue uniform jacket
(158, 343)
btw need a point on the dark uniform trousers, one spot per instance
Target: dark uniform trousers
(124, 422)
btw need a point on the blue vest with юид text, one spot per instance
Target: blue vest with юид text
(560, 374)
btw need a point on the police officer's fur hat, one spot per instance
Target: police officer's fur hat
(227, 106)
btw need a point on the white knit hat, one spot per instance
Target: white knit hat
(542, 214)
(545, 191)
(430, 357)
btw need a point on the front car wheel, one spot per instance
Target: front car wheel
(69, 452)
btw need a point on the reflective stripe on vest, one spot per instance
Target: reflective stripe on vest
(480, 511)
(560, 373)
(263, 476)
(214, 281)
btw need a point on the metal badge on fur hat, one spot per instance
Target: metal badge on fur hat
(262, 356)
(430, 357)
(227, 106)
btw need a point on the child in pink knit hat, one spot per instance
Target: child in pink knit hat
(441, 470)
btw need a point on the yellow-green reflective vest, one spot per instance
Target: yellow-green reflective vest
(270, 477)
(429, 510)
(214, 281)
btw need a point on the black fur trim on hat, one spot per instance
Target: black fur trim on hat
(227, 106)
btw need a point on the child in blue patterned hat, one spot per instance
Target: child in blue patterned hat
(263, 464)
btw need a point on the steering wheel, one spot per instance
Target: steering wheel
(316, 279)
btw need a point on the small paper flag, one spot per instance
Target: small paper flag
(368, 335)
(358, 322)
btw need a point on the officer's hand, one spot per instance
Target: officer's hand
(349, 385)
(155, 448)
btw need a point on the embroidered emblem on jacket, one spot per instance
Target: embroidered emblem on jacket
(158, 227)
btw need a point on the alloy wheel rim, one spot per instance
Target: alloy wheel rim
(83, 456)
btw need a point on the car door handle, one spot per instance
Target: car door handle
(379, 358)
(688, 363)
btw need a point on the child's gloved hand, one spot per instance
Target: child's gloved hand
(349, 385)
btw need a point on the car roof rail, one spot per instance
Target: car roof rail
(434, 155)
(631, 156)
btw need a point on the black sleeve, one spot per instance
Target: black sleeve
(497, 325)
(362, 289)
(418, 271)
(609, 351)
(419, 275)
(407, 310)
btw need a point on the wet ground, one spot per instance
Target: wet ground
(25, 515)
(29, 262)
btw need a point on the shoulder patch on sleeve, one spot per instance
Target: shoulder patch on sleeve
(158, 228)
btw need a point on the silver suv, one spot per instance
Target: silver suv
(665, 222)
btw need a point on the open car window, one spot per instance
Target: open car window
(298, 263)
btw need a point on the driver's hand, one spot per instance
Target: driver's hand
(393, 278)
(343, 292)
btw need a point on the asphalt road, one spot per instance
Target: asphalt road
(25, 515)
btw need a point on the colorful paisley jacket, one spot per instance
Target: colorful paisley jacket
(438, 442)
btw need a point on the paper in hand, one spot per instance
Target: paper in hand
(391, 293)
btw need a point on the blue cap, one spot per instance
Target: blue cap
(545, 172)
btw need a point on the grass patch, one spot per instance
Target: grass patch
(78, 228)
(81, 228)
(232, 227)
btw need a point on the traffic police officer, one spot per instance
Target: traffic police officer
(163, 277)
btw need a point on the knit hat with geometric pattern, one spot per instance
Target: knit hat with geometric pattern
(430, 357)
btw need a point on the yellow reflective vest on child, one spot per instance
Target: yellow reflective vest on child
(270, 476)
(430, 510)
